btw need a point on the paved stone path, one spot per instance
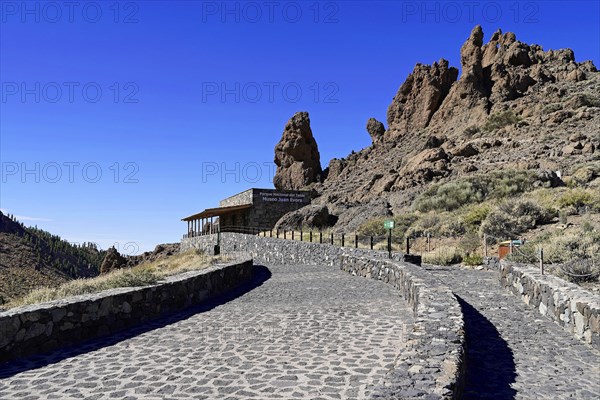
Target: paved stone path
(307, 332)
(512, 351)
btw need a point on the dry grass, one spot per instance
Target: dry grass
(141, 275)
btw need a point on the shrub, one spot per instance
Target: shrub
(470, 243)
(562, 217)
(500, 120)
(587, 227)
(528, 254)
(514, 217)
(437, 224)
(563, 248)
(579, 198)
(585, 174)
(550, 108)
(374, 227)
(476, 214)
(474, 189)
(449, 196)
(445, 255)
(578, 271)
(473, 260)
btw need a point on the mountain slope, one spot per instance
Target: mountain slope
(514, 107)
(31, 258)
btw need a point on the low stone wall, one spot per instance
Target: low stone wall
(491, 263)
(432, 367)
(575, 309)
(433, 364)
(43, 327)
(274, 250)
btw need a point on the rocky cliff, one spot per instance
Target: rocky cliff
(514, 106)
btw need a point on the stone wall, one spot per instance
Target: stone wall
(274, 250)
(239, 199)
(575, 309)
(43, 327)
(432, 366)
(270, 205)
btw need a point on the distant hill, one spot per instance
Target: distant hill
(31, 258)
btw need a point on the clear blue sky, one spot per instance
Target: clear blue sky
(180, 104)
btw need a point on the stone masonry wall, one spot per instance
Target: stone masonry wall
(43, 327)
(239, 199)
(575, 309)
(432, 366)
(270, 205)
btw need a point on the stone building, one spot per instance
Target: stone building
(247, 211)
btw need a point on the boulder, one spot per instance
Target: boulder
(467, 150)
(310, 216)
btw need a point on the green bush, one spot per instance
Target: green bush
(444, 224)
(576, 198)
(375, 228)
(473, 260)
(476, 214)
(500, 120)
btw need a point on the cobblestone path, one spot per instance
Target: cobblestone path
(306, 332)
(512, 351)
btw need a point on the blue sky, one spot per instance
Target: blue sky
(118, 119)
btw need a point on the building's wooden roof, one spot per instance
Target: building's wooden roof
(215, 212)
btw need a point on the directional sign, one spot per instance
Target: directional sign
(388, 224)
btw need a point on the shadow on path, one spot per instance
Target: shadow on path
(260, 275)
(490, 367)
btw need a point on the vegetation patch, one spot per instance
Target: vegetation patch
(514, 217)
(475, 189)
(500, 120)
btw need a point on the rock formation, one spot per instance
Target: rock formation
(376, 130)
(297, 155)
(113, 260)
(515, 106)
(419, 97)
(160, 251)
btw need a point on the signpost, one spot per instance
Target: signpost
(389, 225)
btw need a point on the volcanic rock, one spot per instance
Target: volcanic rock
(375, 129)
(419, 97)
(297, 155)
(310, 216)
(112, 261)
